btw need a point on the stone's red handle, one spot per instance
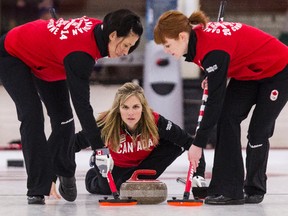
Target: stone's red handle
(136, 173)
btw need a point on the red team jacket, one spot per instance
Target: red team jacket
(130, 153)
(46, 46)
(254, 54)
(61, 37)
(233, 50)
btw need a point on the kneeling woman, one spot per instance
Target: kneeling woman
(138, 138)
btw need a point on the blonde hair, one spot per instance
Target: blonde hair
(111, 121)
(172, 22)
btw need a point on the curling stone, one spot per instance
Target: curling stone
(145, 191)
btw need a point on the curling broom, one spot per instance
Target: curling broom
(186, 201)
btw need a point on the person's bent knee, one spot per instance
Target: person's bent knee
(93, 185)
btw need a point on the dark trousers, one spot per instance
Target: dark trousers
(160, 158)
(228, 170)
(43, 158)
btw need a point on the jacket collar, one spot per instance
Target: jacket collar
(191, 52)
(101, 40)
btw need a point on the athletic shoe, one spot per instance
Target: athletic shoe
(222, 200)
(67, 188)
(253, 199)
(198, 181)
(36, 200)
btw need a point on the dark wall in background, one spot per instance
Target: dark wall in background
(240, 6)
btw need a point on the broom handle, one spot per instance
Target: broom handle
(205, 90)
(221, 11)
(112, 185)
(188, 182)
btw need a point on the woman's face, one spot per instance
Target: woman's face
(131, 111)
(177, 48)
(120, 46)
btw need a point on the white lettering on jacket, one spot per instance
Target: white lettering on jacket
(212, 68)
(225, 28)
(129, 147)
(65, 28)
(169, 125)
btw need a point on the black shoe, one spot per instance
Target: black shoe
(221, 200)
(256, 198)
(36, 200)
(67, 188)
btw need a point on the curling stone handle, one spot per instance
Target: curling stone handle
(136, 173)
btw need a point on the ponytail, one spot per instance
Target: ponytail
(198, 17)
(173, 22)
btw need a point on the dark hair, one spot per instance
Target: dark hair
(123, 21)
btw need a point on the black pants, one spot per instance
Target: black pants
(161, 157)
(43, 158)
(228, 170)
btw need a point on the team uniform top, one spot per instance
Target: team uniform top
(130, 154)
(233, 50)
(63, 49)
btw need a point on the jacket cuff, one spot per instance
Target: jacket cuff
(200, 140)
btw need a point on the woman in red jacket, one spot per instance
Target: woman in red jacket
(137, 137)
(48, 60)
(256, 64)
